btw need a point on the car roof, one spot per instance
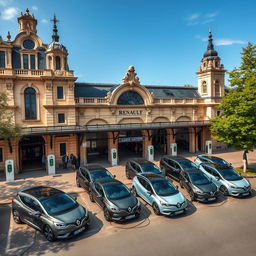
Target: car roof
(192, 171)
(93, 167)
(176, 157)
(104, 182)
(209, 157)
(217, 166)
(150, 176)
(41, 192)
(141, 161)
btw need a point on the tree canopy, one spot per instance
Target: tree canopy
(7, 127)
(236, 125)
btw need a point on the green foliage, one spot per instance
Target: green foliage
(236, 125)
(7, 128)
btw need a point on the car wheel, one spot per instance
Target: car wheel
(156, 209)
(78, 183)
(192, 196)
(48, 233)
(134, 192)
(224, 190)
(106, 214)
(16, 217)
(91, 196)
(128, 176)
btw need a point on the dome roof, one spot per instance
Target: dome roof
(56, 46)
(210, 53)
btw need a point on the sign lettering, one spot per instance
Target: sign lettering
(130, 112)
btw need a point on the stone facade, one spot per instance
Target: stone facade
(52, 110)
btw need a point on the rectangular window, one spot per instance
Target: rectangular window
(2, 59)
(60, 92)
(1, 155)
(25, 61)
(32, 62)
(61, 118)
(62, 149)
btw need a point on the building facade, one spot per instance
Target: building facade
(60, 116)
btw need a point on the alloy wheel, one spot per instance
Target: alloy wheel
(16, 217)
(156, 209)
(91, 196)
(48, 233)
(224, 190)
(107, 214)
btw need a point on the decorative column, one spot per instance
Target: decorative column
(170, 138)
(147, 135)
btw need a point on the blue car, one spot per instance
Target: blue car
(160, 193)
(227, 179)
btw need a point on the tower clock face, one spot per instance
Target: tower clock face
(28, 44)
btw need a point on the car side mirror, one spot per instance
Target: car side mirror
(114, 176)
(217, 177)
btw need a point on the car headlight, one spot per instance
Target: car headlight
(60, 224)
(113, 207)
(198, 191)
(164, 203)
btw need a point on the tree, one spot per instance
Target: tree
(8, 129)
(236, 125)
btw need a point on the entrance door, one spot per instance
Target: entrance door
(130, 144)
(159, 142)
(182, 139)
(31, 152)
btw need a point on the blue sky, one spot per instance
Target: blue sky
(164, 39)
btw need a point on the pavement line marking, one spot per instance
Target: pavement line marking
(20, 247)
(8, 243)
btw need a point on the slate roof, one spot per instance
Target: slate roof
(88, 90)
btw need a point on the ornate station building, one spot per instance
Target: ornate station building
(60, 116)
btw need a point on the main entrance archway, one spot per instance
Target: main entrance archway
(31, 152)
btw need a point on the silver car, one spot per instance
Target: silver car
(227, 179)
(53, 212)
(159, 192)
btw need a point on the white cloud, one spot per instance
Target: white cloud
(44, 21)
(5, 2)
(207, 21)
(9, 13)
(228, 42)
(211, 15)
(193, 16)
(35, 8)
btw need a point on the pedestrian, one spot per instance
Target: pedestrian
(73, 161)
(78, 162)
(65, 161)
(245, 162)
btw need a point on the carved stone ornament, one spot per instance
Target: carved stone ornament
(131, 77)
(58, 73)
(9, 86)
(48, 86)
(71, 86)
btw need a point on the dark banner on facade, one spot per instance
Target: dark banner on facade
(130, 139)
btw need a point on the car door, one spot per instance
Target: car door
(216, 178)
(175, 169)
(37, 219)
(81, 176)
(98, 195)
(87, 180)
(25, 209)
(132, 169)
(150, 193)
(186, 181)
(142, 191)
(164, 165)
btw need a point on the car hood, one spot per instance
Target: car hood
(239, 183)
(72, 215)
(173, 199)
(211, 187)
(126, 202)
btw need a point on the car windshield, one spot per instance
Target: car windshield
(101, 175)
(150, 168)
(58, 203)
(187, 165)
(220, 161)
(116, 191)
(229, 174)
(163, 187)
(199, 178)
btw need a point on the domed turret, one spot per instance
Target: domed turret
(210, 53)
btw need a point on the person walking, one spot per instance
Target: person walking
(245, 162)
(73, 161)
(65, 161)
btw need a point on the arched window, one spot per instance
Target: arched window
(217, 88)
(130, 98)
(30, 103)
(204, 87)
(57, 60)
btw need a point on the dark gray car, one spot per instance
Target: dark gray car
(53, 212)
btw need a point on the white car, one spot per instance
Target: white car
(227, 179)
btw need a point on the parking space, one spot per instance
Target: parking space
(17, 239)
